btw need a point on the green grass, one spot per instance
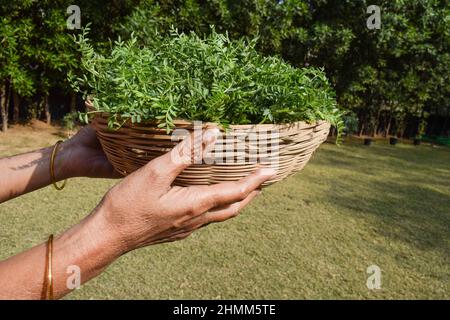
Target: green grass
(310, 236)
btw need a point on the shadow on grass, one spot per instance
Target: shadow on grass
(406, 191)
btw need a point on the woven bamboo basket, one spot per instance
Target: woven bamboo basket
(238, 152)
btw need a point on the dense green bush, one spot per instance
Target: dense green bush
(183, 76)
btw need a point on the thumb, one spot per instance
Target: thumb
(189, 151)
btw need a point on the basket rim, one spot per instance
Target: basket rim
(190, 123)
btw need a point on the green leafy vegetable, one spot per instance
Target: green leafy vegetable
(183, 76)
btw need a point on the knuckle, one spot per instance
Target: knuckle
(194, 210)
(211, 201)
(234, 211)
(205, 202)
(177, 224)
(243, 191)
(152, 171)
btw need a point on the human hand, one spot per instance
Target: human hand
(84, 156)
(144, 209)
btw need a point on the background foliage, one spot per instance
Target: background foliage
(394, 80)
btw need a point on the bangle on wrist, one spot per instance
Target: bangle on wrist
(52, 167)
(48, 285)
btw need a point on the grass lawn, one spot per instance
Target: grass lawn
(310, 236)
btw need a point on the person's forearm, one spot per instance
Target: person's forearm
(30, 171)
(88, 246)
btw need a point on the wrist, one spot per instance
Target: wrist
(102, 235)
(64, 158)
(90, 245)
(106, 215)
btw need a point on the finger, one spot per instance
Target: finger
(231, 211)
(223, 194)
(191, 150)
(220, 214)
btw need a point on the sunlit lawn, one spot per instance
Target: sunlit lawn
(310, 236)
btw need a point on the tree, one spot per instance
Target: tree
(38, 51)
(385, 76)
(388, 77)
(12, 74)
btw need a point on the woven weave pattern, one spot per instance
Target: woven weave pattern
(243, 149)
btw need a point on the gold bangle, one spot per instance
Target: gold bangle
(49, 291)
(52, 167)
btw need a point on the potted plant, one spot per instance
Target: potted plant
(393, 141)
(367, 141)
(417, 140)
(420, 131)
(139, 95)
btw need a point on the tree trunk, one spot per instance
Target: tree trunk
(402, 132)
(387, 132)
(16, 107)
(3, 110)
(8, 99)
(380, 126)
(33, 108)
(48, 116)
(73, 102)
(375, 128)
(376, 124)
(444, 126)
(361, 130)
